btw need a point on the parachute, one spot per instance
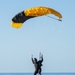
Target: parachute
(21, 17)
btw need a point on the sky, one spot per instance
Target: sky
(54, 39)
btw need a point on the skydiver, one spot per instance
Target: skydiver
(37, 64)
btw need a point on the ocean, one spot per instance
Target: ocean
(37, 74)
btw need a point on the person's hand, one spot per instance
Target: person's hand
(42, 55)
(32, 56)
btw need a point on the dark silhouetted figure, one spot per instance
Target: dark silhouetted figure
(37, 64)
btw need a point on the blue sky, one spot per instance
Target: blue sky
(56, 40)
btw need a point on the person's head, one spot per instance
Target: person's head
(35, 60)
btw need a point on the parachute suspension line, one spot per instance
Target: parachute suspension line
(54, 18)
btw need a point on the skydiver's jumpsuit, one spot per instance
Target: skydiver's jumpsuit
(38, 65)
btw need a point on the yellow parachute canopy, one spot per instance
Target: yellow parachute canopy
(20, 18)
(40, 11)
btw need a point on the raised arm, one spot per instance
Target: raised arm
(41, 57)
(32, 59)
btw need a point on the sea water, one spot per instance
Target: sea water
(37, 74)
